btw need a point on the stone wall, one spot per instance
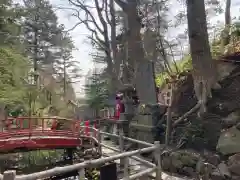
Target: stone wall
(145, 125)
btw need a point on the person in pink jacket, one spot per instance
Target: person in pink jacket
(119, 107)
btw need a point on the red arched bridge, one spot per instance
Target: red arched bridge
(31, 133)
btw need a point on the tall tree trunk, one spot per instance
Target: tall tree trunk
(143, 70)
(115, 59)
(64, 78)
(35, 60)
(113, 31)
(204, 68)
(225, 39)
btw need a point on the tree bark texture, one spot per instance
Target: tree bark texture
(143, 70)
(204, 68)
(225, 34)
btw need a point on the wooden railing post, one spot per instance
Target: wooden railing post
(121, 143)
(124, 162)
(99, 138)
(95, 129)
(9, 175)
(81, 174)
(157, 156)
(126, 168)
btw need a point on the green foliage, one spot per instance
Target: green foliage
(235, 29)
(185, 63)
(13, 69)
(43, 157)
(48, 45)
(234, 33)
(44, 42)
(216, 48)
(41, 31)
(65, 67)
(9, 29)
(182, 66)
(96, 91)
(67, 111)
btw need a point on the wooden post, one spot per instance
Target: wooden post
(157, 155)
(99, 138)
(126, 170)
(95, 129)
(9, 175)
(124, 162)
(81, 174)
(121, 143)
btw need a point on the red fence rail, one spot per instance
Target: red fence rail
(42, 132)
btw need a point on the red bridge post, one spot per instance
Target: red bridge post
(87, 128)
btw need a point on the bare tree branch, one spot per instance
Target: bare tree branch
(121, 4)
(100, 31)
(106, 11)
(98, 43)
(88, 14)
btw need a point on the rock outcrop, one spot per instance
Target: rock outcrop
(212, 142)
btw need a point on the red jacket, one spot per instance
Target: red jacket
(118, 109)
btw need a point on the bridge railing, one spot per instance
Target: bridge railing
(25, 126)
(43, 123)
(123, 156)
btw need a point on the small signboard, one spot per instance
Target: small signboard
(108, 172)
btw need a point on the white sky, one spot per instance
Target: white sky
(84, 48)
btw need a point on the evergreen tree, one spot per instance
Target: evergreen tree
(13, 72)
(46, 42)
(96, 90)
(65, 66)
(42, 35)
(9, 29)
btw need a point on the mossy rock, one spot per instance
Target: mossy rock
(151, 109)
(175, 161)
(229, 141)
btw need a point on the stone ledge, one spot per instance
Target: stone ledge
(142, 127)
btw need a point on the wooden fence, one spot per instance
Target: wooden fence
(123, 156)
